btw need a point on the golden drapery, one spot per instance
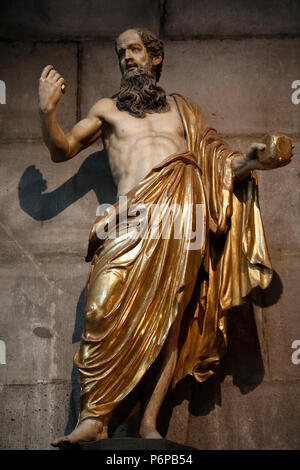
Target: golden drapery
(138, 285)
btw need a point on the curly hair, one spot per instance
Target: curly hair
(154, 46)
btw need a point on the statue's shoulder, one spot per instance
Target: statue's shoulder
(191, 109)
(105, 103)
(185, 101)
(103, 106)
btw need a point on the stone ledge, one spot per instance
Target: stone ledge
(133, 444)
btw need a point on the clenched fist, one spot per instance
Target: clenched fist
(50, 88)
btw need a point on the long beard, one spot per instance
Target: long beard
(139, 93)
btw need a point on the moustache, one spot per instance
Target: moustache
(131, 64)
(132, 69)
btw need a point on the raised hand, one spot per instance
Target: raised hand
(252, 156)
(50, 88)
(275, 151)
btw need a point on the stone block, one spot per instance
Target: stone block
(231, 18)
(280, 309)
(265, 418)
(21, 67)
(42, 317)
(243, 87)
(95, 18)
(33, 415)
(100, 76)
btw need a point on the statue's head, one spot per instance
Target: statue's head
(140, 55)
(139, 47)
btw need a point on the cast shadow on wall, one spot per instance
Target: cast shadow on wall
(94, 174)
(243, 360)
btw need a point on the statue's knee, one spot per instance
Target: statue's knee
(94, 312)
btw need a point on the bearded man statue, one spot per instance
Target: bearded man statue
(153, 293)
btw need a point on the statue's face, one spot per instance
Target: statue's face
(131, 52)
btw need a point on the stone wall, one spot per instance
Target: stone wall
(237, 59)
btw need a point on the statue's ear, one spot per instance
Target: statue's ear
(157, 60)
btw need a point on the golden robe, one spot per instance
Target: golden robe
(138, 285)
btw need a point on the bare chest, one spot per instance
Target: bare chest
(122, 126)
(136, 145)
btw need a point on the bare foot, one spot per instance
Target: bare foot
(149, 431)
(90, 429)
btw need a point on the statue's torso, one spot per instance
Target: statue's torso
(135, 145)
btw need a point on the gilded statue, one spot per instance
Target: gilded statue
(151, 295)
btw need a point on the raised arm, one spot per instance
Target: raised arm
(62, 146)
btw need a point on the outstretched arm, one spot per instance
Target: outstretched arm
(243, 165)
(64, 146)
(274, 152)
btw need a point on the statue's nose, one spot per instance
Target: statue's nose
(128, 54)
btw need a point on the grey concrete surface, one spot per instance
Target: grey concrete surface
(41, 316)
(243, 83)
(265, 418)
(100, 73)
(104, 18)
(92, 18)
(238, 17)
(283, 317)
(21, 67)
(244, 87)
(33, 414)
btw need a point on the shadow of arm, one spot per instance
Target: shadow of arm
(94, 174)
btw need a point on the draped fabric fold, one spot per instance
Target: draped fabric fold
(236, 259)
(139, 284)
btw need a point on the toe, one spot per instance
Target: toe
(66, 445)
(57, 442)
(153, 435)
(63, 443)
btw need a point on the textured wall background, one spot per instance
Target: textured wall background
(237, 59)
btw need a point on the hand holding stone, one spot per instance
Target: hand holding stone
(51, 86)
(278, 151)
(274, 151)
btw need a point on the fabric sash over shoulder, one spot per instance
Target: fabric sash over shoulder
(139, 284)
